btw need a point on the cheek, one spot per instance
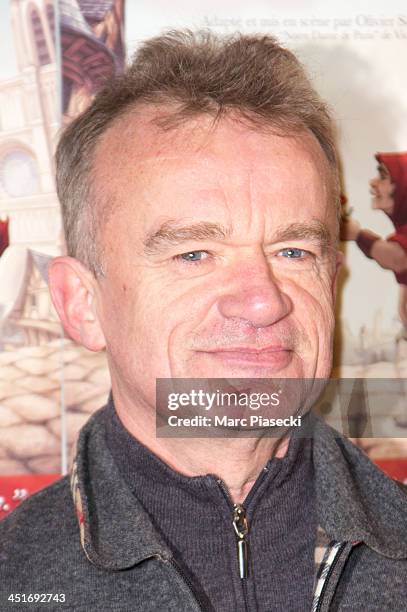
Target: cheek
(385, 189)
(317, 322)
(191, 310)
(153, 314)
(125, 316)
(314, 305)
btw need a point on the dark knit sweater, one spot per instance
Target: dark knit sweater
(194, 517)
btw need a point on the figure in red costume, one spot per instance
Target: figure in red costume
(389, 191)
(4, 238)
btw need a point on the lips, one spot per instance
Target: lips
(269, 356)
(248, 349)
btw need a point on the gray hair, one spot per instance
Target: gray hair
(192, 74)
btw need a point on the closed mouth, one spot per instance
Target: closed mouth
(267, 356)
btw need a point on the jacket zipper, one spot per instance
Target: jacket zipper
(239, 520)
(241, 527)
(329, 574)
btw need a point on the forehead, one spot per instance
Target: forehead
(207, 168)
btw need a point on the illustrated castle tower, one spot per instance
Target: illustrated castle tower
(64, 50)
(41, 98)
(29, 122)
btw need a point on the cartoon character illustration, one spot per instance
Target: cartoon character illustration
(4, 235)
(389, 191)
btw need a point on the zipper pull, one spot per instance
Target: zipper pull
(241, 528)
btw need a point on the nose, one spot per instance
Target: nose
(254, 296)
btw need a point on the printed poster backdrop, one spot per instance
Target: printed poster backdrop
(54, 57)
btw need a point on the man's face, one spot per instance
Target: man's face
(382, 190)
(218, 253)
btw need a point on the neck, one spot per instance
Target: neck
(236, 461)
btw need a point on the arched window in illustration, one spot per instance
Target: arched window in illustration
(19, 174)
(39, 38)
(51, 20)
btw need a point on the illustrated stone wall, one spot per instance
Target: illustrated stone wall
(34, 383)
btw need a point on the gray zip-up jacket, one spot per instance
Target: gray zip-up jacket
(99, 550)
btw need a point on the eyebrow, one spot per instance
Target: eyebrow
(383, 170)
(171, 233)
(314, 231)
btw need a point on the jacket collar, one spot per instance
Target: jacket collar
(355, 501)
(116, 533)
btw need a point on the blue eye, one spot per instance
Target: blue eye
(193, 256)
(293, 253)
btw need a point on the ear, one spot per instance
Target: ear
(340, 258)
(73, 292)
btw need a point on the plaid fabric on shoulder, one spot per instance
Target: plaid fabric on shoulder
(321, 545)
(78, 504)
(325, 553)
